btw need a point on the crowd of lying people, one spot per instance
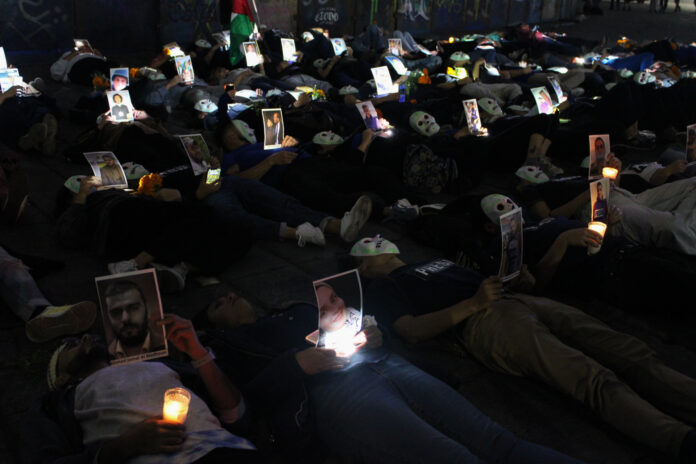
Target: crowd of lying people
(413, 164)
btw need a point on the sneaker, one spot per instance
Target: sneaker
(548, 167)
(119, 267)
(40, 85)
(171, 279)
(56, 321)
(307, 233)
(403, 211)
(355, 219)
(434, 208)
(34, 138)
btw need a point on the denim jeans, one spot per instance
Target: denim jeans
(408, 43)
(635, 63)
(430, 62)
(18, 288)
(261, 208)
(392, 412)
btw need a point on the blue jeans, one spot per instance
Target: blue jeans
(430, 62)
(392, 412)
(261, 208)
(635, 63)
(18, 288)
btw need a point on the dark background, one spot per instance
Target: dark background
(31, 30)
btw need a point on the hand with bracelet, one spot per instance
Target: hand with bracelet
(182, 335)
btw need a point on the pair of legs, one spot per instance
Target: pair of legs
(44, 321)
(392, 412)
(334, 186)
(662, 216)
(504, 94)
(266, 211)
(616, 375)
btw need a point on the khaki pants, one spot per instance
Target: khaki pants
(615, 374)
(663, 216)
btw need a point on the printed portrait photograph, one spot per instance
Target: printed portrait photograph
(107, 168)
(511, 237)
(543, 100)
(339, 300)
(273, 129)
(252, 54)
(185, 68)
(120, 105)
(197, 152)
(599, 149)
(119, 78)
(472, 115)
(599, 193)
(130, 308)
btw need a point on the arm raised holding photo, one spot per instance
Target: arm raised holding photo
(225, 396)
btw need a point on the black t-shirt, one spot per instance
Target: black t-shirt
(420, 289)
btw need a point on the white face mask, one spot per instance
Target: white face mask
(424, 124)
(246, 131)
(532, 174)
(496, 205)
(490, 106)
(327, 138)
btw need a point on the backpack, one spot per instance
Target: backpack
(426, 172)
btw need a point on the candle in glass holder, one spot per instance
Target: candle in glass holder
(599, 227)
(610, 173)
(176, 404)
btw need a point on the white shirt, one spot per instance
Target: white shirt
(116, 398)
(61, 68)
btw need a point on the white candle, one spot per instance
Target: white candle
(176, 404)
(610, 173)
(599, 227)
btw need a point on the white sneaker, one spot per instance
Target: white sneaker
(171, 279)
(56, 321)
(119, 267)
(307, 233)
(355, 219)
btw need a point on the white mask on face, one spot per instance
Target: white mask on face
(532, 174)
(490, 106)
(327, 138)
(424, 124)
(246, 131)
(496, 205)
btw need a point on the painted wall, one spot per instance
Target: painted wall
(421, 17)
(42, 27)
(278, 14)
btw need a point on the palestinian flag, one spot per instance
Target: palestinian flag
(241, 27)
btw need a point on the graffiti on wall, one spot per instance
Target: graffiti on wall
(34, 23)
(411, 10)
(278, 14)
(186, 20)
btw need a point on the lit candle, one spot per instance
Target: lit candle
(176, 404)
(600, 228)
(610, 173)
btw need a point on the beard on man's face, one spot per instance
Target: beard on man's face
(133, 334)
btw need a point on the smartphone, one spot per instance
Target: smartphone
(213, 176)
